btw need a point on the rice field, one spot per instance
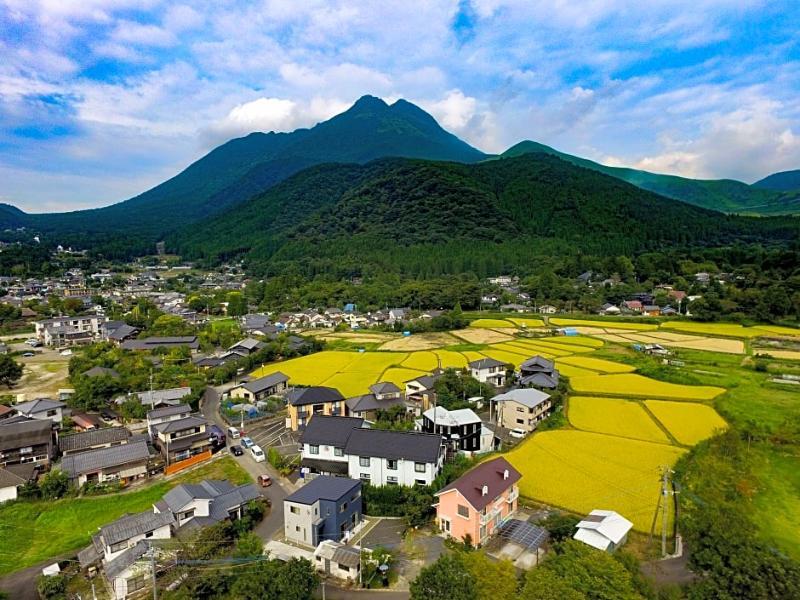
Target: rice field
(570, 371)
(505, 356)
(596, 364)
(422, 360)
(581, 340)
(614, 416)
(479, 335)
(730, 346)
(399, 375)
(782, 354)
(604, 324)
(687, 422)
(492, 324)
(581, 471)
(724, 329)
(530, 323)
(449, 358)
(630, 384)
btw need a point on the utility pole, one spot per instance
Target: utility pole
(153, 568)
(665, 500)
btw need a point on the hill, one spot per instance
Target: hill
(725, 195)
(785, 181)
(245, 166)
(429, 218)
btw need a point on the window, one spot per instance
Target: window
(344, 568)
(445, 525)
(520, 421)
(391, 480)
(391, 464)
(26, 450)
(52, 413)
(364, 477)
(419, 467)
(295, 510)
(420, 482)
(188, 514)
(363, 461)
(149, 534)
(343, 507)
(297, 528)
(313, 449)
(338, 452)
(135, 583)
(463, 511)
(520, 409)
(355, 496)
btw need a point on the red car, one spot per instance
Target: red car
(265, 480)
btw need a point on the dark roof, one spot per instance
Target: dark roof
(168, 411)
(264, 383)
(103, 458)
(180, 424)
(248, 344)
(9, 479)
(409, 445)
(156, 342)
(486, 363)
(38, 405)
(24, 433)
(101, 372)
(543, 380)
(126, 559)
(370, 402)
(93, 437)
(490, 474)
(129, 526)
(329, 430)
(384, 387)
(340, 467)
(324, 487)
(122, 332)
(222, 494)
(313, 395)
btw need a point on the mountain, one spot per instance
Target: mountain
(428, 218)
(245, 166)
(785, 181)
(725, 195)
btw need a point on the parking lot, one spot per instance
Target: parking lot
(273, 434)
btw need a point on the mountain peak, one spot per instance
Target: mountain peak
(368, 103)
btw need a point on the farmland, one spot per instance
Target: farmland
(689, 423)
(614, 416)
(492, 323)
(630, 384)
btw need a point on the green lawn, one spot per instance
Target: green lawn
(777, 503)
(36, 531)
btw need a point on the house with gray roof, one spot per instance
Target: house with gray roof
(130, 573)
(367, 406)
(489, 370)
(420, 393)
(101, 372)
(338, 560)
(180, 439)
(166, 413)
(9, 482)
(28, 441)
(43, 409)
(262, 388)
(305, 403)
(157, 398)
(247, 346)
(93, 439)
(384, 457)
(124, 463)
(153, 343)
(206, 503)
(538, 372)
(325, 508)
(522, 408)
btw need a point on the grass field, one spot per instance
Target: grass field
(687, 422)
(596, 364)
(40, 530)
(724, 329)
(492, 324)
(525, 322)
(614, 416)
(581, 471)
(607, 324)
(782, 354)
(777, 504)
(630, 384)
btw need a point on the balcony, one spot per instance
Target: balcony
(489, 516)
(513, 495)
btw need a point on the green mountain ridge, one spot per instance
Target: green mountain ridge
(785, 181)
(724, 195)
(423, 218)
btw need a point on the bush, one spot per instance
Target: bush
(52, 587)
(54, 485)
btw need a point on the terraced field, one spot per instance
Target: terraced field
(689, 423)
(614, 416)
(630, 384)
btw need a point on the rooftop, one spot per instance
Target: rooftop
(313, 395)
(408, 445)
(329, 430)
(324, 487)
(494, 476)
(37, 406)
(168, 411)
(103, 458)
(93, 437)
(264, 383)
(452, 418)
(527, 397)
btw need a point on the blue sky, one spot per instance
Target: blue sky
(102, 99)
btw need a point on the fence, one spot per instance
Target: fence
(189, 462)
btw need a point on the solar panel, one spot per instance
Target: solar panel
(523, 533)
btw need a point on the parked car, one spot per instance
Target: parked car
(66, 352)
(236, 450)
(257, 453)
(517, 433)
(247, 442)
(33, 342)
(28, 354)
(265, 480)
(233, 433)
(216, 435)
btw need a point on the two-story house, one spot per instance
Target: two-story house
(167, 397)
(26, 442)
(538, 372)
(383, 457)
(383, 396)
(478, 502)
(247, 346)
(323, 442)
(93, 439)
(69, 331)
(43, 409)
(420, 393)
(523, 408)
(205, 503)
(166, 414)
(489, 370)
(182, 439)
(261, 388)
(460, 429)
(305, 403)
(124, 463)
(325, 508)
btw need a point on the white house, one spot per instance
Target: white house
(9, 482)
(42, 409)
(603, 529)
(383, 457)
(337, 560)
(489, 370)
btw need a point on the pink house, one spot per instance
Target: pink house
(479, 501)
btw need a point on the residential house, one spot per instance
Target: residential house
(206, 503)
(304, 403)
(117, 331)
(9, 482)
(42, 409)
(603, 529)
(93, 439)
(337, 560)
(325, 508)
(420, 393)
(262, 388)
(547, 309)
(323, 442)
(166, 414)
(113, 539)
(489, 370)
(476, 504)
(124, 463)
(247, 346)
(28, 441)
(257, 324)
(129, 573)
(69, 331)
(651, 310)
(517, 308)
(183, 438)
(522, 408)
(538, 372)
(610, 309)
(668, 311)
(101, 372)
(461, 429)
(153, 343)
(157, 398)
(383, 457)
(632, 306)
(383, 396)
(396, 315)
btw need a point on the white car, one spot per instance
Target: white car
(66, 352)
(257, 453)
(517, 433)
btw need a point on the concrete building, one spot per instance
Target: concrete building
(326, 508)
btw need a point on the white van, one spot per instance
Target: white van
(258, 454)
(233, 433)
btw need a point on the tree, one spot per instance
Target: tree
(52, 587)
(560, 527)
(54, 485)
(543, 584)
(237, 304)
(10, 370)
(446, 579)
(249, 545)
(494, 579)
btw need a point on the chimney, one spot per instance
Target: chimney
(485, 490)
(505, 474)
